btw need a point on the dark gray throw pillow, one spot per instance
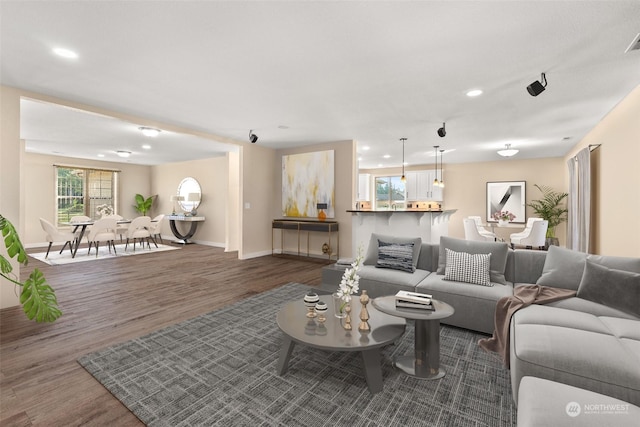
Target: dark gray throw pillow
(498, 251)
(372, 251)
(618, 289)
(397, 256)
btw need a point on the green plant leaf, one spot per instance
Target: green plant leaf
(38, 299)
(12, 241)
(549, 208)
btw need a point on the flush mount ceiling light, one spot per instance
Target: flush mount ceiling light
(123, 153)
(442, 132)
(252, 137)
(147, 131)
(508, 151)
(65, 53)
(474, 92)
(403, 178)
(537, 87)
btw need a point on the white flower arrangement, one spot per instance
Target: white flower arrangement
(104, 210)
(350, 283)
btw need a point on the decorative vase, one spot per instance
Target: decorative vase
(502, 223)
(310, 300)
(321, 309)
(339, 306)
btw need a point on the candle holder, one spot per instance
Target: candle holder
(364, 313)
(310, 300)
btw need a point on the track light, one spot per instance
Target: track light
(537, 87)
(442, 132)
(252, 137)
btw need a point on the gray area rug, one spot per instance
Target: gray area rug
(220, 369)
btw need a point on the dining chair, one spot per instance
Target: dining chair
(103, 230)
(536, 238)
(121, 229)
(56, 236)
(139, 229)
(156, 226)
(471, 231)
(76, 219)
(483, 231)
(526, 231)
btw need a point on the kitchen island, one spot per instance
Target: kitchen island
(429, 225)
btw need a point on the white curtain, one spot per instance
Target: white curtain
(579, 218)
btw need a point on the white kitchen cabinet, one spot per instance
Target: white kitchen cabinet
(419, 186)
(364, 187)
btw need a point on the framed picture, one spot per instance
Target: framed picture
(507, 196)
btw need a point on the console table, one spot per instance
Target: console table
(184, 238)
(299, 225)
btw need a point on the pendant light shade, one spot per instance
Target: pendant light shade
(435, 181)
(403, 178)
(441, 172)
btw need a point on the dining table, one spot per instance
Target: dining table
(84, 224)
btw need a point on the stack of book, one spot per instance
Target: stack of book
(406, 299)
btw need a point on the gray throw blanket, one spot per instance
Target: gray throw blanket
(523, 296)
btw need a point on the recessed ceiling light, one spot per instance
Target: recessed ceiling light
(65, 53)
(100, 155)
(380, 165)
(146, 147)
(474, 92)
(123, 153)
(147, 131)
(283, 127)
(366, 147)
(386, 156)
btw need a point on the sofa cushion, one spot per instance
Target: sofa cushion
(402, 279)
(468, 268)
(563, 268)
(614, 288)
(497, 250)
(372, 251)
(396, 256)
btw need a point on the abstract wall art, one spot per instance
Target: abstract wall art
(507, 196)
(308, 181)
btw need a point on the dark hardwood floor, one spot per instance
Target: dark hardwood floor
(110, 301)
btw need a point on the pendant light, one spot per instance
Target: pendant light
(441, 172)
(403, 178)
(435, 180)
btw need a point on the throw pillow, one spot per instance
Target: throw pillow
(498, 251)
(372, 251)
(614, 288)
(563, 268)
(397, 256)
(468, 268)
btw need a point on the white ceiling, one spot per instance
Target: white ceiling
(327, 71)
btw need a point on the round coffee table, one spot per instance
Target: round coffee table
(331, 335)
(425, 362)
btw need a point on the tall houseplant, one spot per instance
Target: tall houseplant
(550, 207)
(37, 297)
(143, 205)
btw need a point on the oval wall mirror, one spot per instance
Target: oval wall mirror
(191, 192)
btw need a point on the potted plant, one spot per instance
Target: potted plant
(503, 217)
(143, 205)
(550, 208)
(37, 297)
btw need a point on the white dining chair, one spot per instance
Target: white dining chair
(526, 231)
(471, 231)
(483, 231)
(121, 229)
(156, 226)
(56, 236)
(76, 219)
(140, 230)
(103, 230)
(536, 237)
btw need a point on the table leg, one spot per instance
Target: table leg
(285, 355)
(184, 238)
(372, 370)
(84, 227)
(425, 362)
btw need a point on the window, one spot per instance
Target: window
(390, 192)
(81, 191)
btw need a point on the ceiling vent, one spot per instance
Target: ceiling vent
(635, 44)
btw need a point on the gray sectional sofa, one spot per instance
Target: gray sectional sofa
(590, 341)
